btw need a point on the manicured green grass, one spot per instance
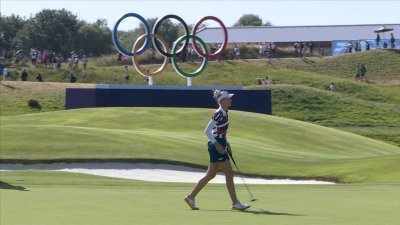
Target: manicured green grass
(266, 145)
(47, 198)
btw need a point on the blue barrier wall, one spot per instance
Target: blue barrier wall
(258, 101)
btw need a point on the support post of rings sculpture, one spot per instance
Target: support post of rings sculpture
(164, 49)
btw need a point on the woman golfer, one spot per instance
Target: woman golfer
(218, 148)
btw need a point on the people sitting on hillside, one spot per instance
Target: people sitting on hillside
(39, 78)
(72, 78)
(332, 87)
(24, 75)
(266, 81)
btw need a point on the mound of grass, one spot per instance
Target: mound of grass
(266, 145)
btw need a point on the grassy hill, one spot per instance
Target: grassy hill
(266, 145)
(300, 90)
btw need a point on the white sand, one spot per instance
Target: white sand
(148, 172)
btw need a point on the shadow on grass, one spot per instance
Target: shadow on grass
(254, 211)
(4, 185)
(264, 212)
(9, 86)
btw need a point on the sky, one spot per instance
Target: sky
(279, 13)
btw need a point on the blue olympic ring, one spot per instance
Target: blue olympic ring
(115, 35)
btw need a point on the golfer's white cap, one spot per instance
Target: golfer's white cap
(224, 95)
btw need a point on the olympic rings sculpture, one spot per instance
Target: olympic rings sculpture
(163, 48)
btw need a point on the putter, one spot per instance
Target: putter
(252, 199)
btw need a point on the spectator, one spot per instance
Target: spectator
(5, 73)
(296, 49)
(363, 70)
(311, 47)
(85, 60)
(72, 78)
(119, 58)
(265, 81)
(190, 54)
(126, 75)
(302, 44)
(153, 55)
(332, 87)
(236, 52)
(261, 50)
(356, 46)
(218, 46)
(349, 47)
(24, 75)
(76, 62)
(39, 78)
(273, 47)
(392, 41)
(377, 40)
(33, 56)
(367, 46)
(19, 55)
(269, 56)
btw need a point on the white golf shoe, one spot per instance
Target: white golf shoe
(191, 203)
(239, 206)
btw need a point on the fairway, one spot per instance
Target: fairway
(48, 198)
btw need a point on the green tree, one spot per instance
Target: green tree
(9, 27)
(168, 30)
(94, 39)
(55, 30)
(251, 20)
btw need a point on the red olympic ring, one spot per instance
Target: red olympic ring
(221, 49)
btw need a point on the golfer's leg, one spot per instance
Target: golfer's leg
(228, 171)
(211, 172)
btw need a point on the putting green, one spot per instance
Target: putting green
(48, 198)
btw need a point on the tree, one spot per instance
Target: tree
(9, 27)
(94, 38)
(55, 30)
(250, 20)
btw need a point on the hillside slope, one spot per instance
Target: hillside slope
(264, 145)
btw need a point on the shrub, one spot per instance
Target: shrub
(34, 104)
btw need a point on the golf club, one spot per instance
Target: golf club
(252, 199)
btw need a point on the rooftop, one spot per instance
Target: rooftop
(296, 33)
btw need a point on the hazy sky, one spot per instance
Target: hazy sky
(280, 13)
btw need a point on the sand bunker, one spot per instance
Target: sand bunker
(148, 172)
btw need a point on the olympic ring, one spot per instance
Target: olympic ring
(221, 49)
(134, 58)
(157, 25)
(115, 38)
(174, 60)
(152, 36)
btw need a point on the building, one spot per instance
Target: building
(334, 37)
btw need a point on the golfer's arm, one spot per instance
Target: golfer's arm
(208, 131)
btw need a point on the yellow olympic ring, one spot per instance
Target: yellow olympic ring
(135, 56)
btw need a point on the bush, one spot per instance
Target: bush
(34, 104)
